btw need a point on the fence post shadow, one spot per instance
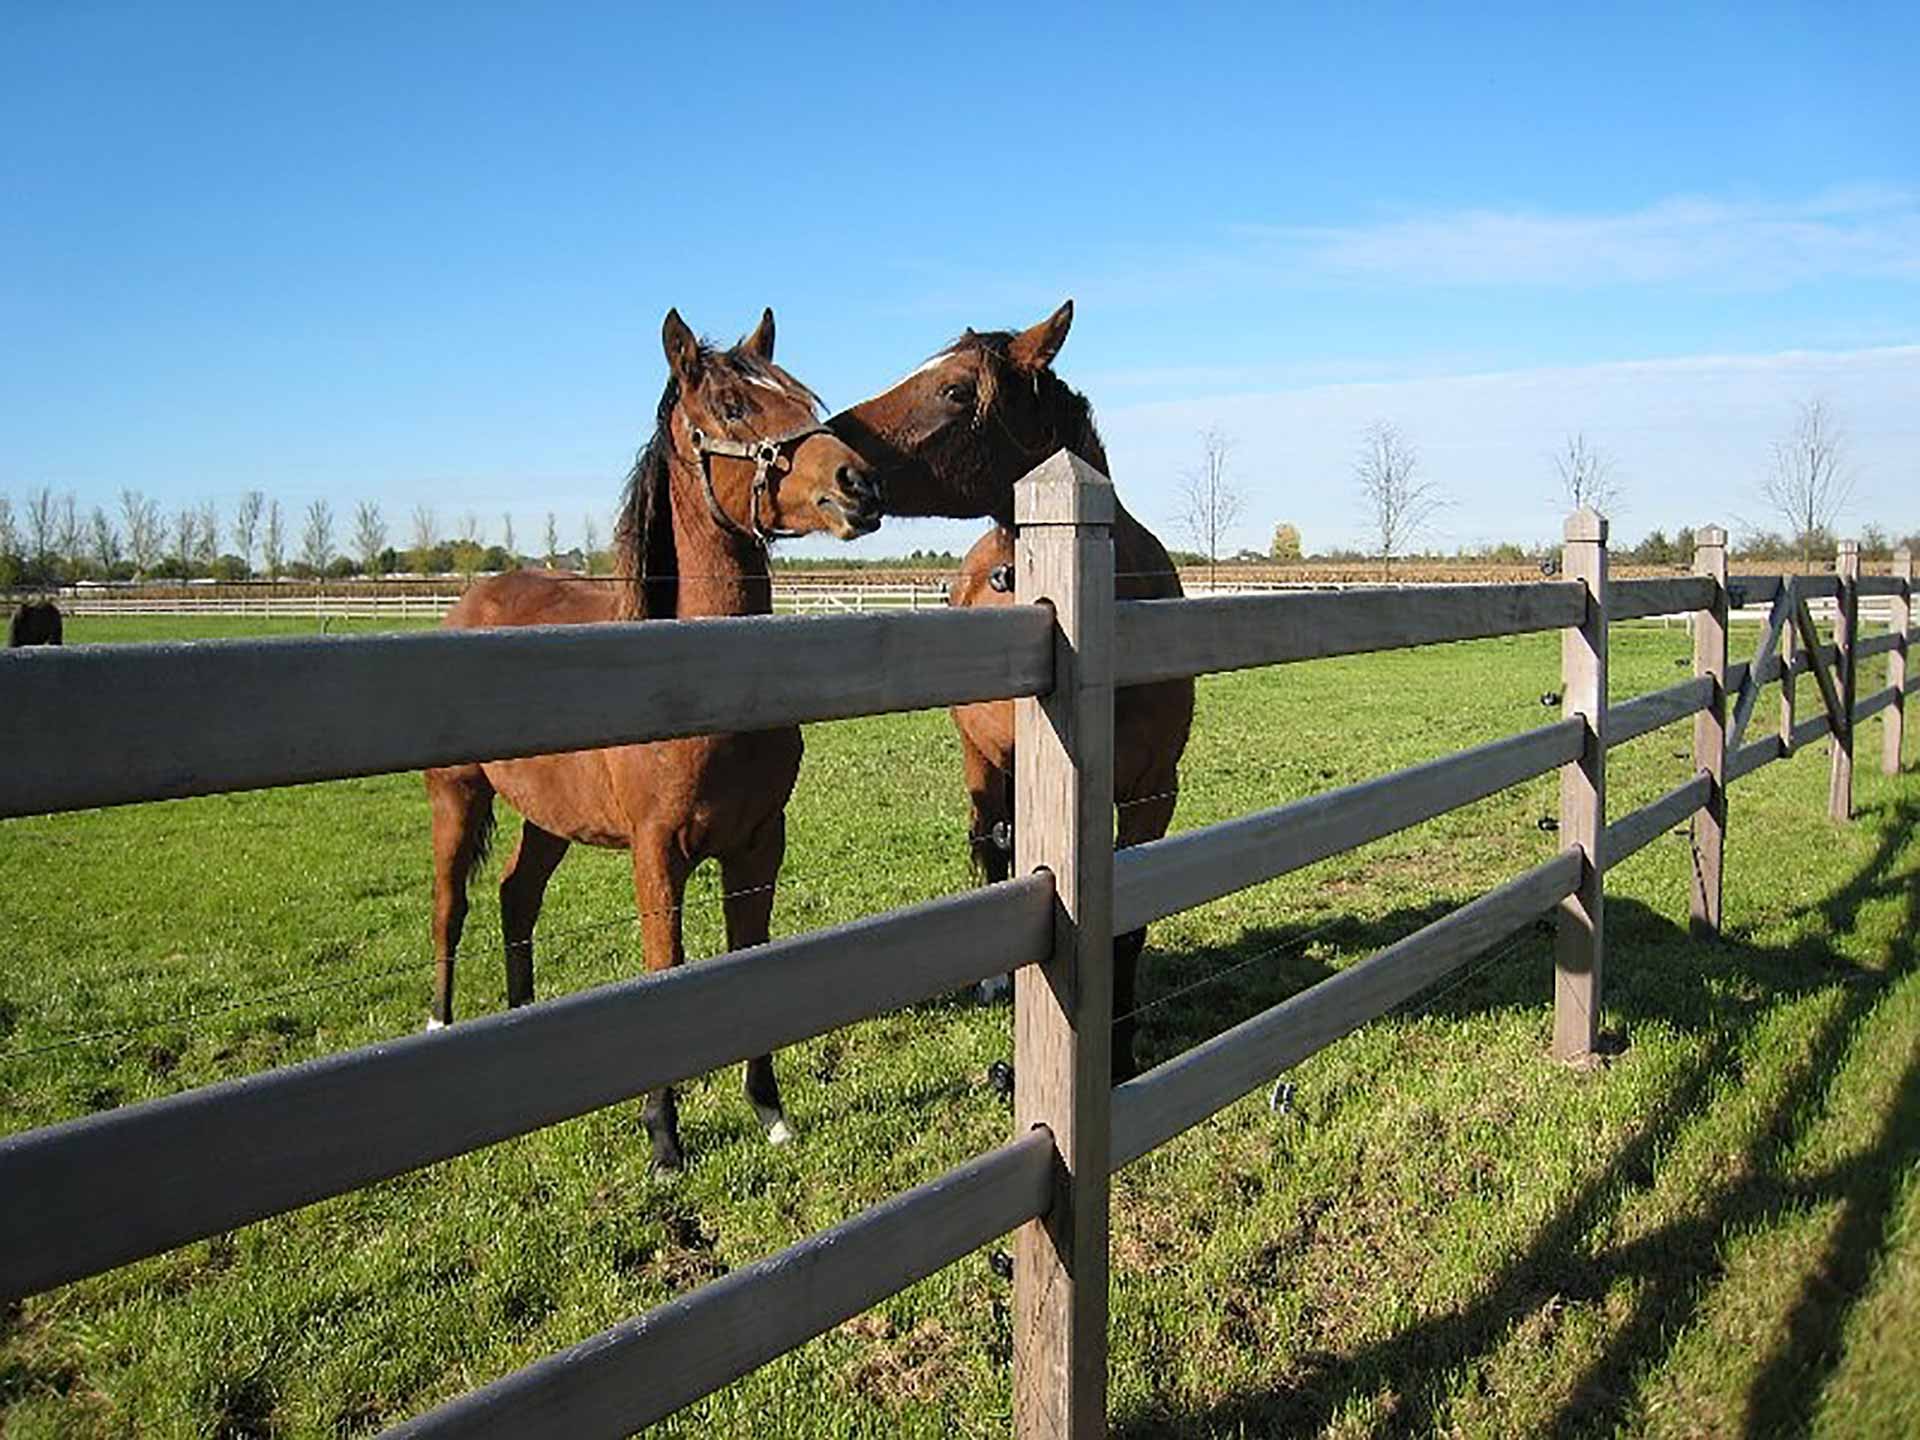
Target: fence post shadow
(1680, 1260)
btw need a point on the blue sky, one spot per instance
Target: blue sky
(420, 254)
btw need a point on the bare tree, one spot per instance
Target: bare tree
(273, 541)
(1396, 501)
(186, 536)
(506, 539)
(553, 541)
(316, 538)
(9, 532)
(105, 541)
(470, 529)
(1807, 484)
(43, 522)
(246, 524)
(70, 535)
(425, 526)
(1586, 476)
(146, 532)
(590, 541)
(369, 535)
(206, 549)
(1209, 505)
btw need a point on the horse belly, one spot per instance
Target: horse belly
(565, 795)
(712, 792)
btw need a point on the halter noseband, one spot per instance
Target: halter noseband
(765, 454)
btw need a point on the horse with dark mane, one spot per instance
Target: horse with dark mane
(738, 457)
(35, 623)
(952, 439)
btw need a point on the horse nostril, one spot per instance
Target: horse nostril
(859, 483)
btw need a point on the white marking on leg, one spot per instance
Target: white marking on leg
(774, 1123)
(434, 1023)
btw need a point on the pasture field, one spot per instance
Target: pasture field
(1436, 1230)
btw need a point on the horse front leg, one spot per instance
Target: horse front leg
(461, 800)
(659, 890)
(747, 878)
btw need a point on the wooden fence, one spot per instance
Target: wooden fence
(791, 596)
(100, 726)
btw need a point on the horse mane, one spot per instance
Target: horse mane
(645, 556)
(1069, 414)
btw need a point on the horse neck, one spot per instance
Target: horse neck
(720, 573)
(1065, 431)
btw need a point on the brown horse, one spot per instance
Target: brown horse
(738, 457)
(951, 439)
(35, 623)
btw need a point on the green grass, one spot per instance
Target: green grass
(1718, 1233)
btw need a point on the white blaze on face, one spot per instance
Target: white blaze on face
(935, 363)
(795, 395)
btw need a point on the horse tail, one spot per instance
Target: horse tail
(481, 846)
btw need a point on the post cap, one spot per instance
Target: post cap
(1587, 523)
(1709, 537)
(1847, 547)
(1063, 490)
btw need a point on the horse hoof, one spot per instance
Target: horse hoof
(435, 1024)
(780, 1133)
(993, 991)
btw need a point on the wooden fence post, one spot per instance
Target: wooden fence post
(1580, 939)
(1900, 616)
(1063, 1009)
(1710, 733)
(1846, 628)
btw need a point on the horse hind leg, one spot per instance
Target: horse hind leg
(747, 878)
(522, 888)
(990, 839)
(461, 800)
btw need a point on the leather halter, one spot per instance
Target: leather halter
(765, 454)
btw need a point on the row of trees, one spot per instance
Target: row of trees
(1806, 485)
(51, 540)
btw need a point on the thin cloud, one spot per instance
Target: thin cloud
(1688, 435)
(1859, 232)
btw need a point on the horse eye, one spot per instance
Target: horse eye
(957, 394)
(733, 408)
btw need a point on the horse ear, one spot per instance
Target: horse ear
(760, 342)
(1034, 349)
(683, 351)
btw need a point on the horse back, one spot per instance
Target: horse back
(534, 597)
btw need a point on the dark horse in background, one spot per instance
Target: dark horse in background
(738, 457)
(35, 623)
(952, 439)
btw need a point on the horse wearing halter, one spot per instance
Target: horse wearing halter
(765, 454)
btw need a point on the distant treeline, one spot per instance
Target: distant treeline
(53, 540)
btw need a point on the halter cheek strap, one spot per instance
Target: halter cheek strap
(765, 454)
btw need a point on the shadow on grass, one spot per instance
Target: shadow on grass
(1714, 990)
